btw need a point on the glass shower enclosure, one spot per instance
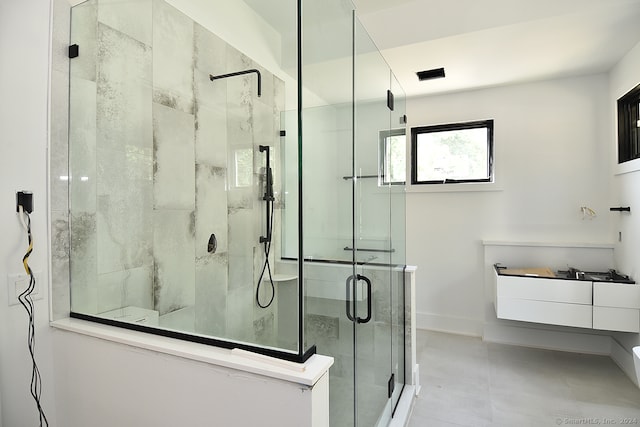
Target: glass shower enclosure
(175, 175)
(236, 178)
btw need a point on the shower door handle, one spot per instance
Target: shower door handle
(368, 285)
(350, 285)
(351, 290)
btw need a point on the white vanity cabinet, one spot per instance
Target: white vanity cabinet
(616, 307)
(542, 300)
(578, 303)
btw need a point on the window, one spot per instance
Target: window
(393, 156)
(452, 153)
(629, 126)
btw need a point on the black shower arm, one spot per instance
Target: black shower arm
(240, 73)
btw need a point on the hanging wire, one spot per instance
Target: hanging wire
(25, 300)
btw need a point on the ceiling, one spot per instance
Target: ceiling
(480, 43)
(483, 43)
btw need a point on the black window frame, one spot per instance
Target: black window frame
(628, 130)
(485, 124)
(383, 135)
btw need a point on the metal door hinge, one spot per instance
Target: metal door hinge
(390, 100)
(74, 51)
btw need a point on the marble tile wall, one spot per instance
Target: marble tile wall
(160, 159)
(174, 260)
(172, 57)
(231, 123)
(174, 180)
(210, 111)
(124, 162)
(133, 18)
(173, 159)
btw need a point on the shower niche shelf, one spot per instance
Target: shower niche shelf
(281, 278)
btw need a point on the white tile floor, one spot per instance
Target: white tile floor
(467, 382)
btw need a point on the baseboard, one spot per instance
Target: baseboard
(624, 360)
(454, 325)
(547, 339)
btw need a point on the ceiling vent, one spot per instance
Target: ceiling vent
(436, 73)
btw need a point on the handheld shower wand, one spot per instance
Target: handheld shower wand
(269, 198)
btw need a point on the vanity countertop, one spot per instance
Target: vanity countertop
(611, 276)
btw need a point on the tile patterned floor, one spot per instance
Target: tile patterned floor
(467, 382)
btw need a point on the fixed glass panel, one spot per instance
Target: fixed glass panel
(372, 240)
(176, 172)
(327, 127)
(327, 156)
(82, 159)
(397, 230)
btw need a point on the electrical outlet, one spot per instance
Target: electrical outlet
(17, 283)
(24, 199)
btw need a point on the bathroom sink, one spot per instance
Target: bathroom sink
(610, 276)
(594, 276)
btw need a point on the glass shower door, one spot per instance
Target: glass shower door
(372, 246)
(353, 236)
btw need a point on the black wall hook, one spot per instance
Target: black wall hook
(621, 209)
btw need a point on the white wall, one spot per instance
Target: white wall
(549, 160)
(624, 77)
(100, 383)
(24, 48)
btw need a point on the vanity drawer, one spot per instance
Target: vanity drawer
(616, 295)
(554, 313)
(616, 319)
(543, 289)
